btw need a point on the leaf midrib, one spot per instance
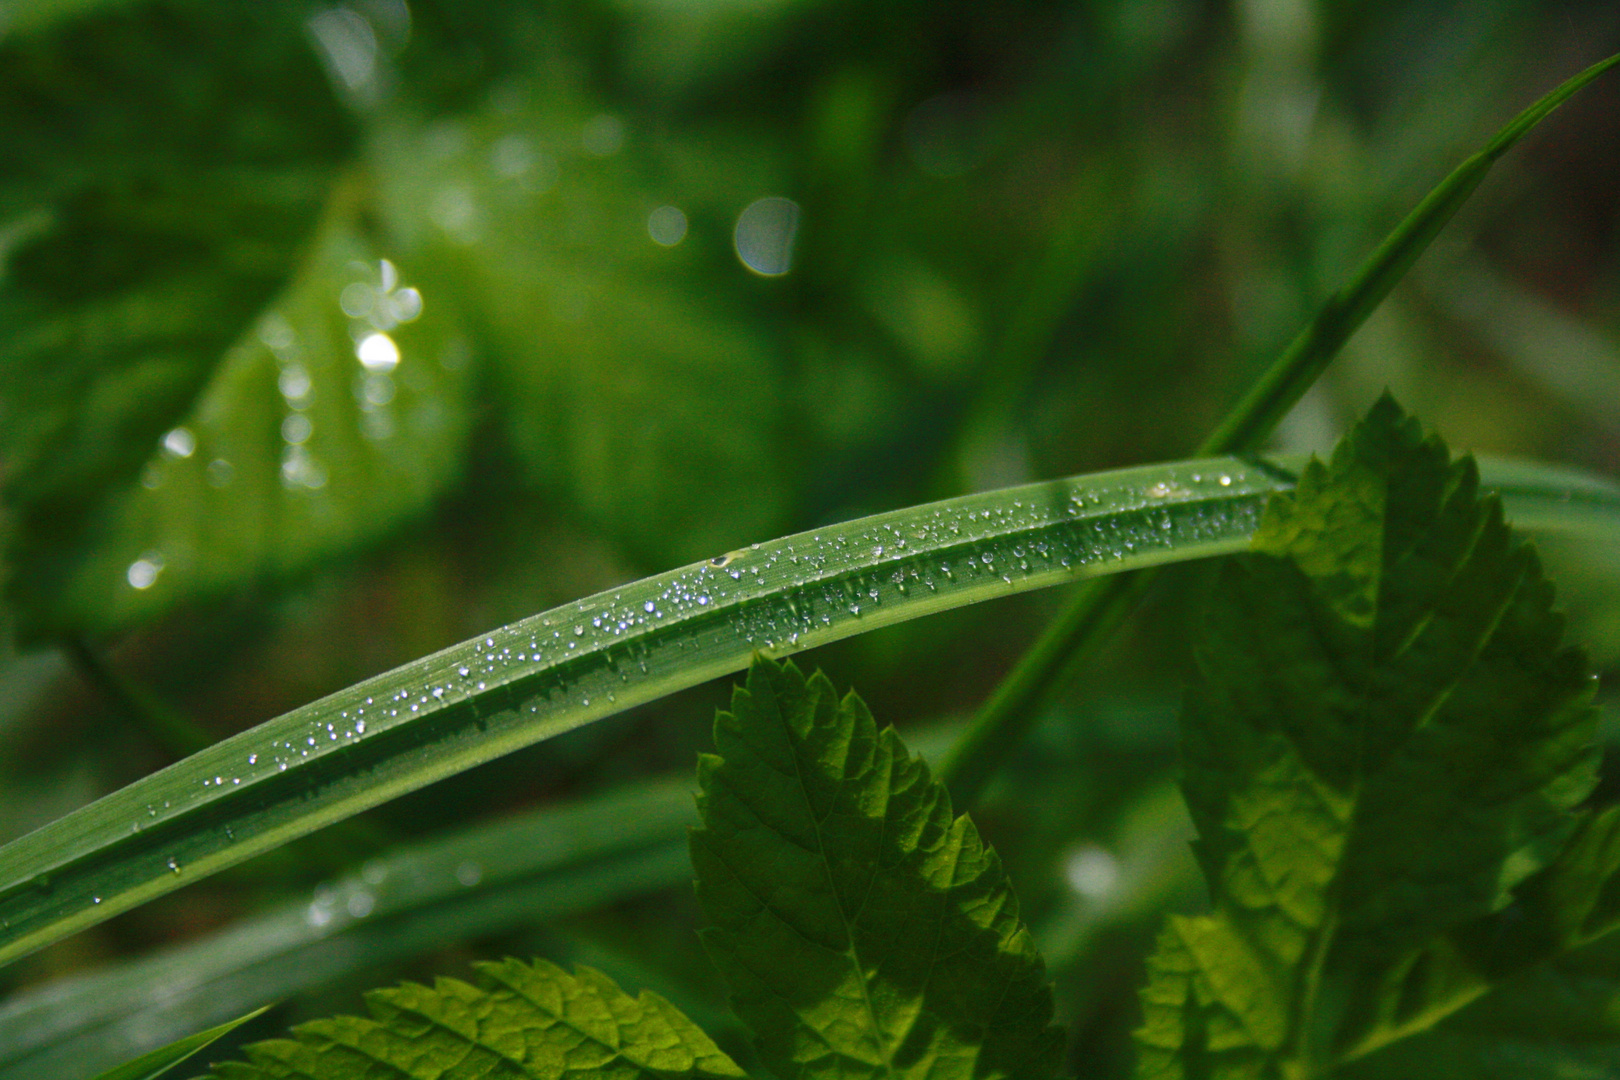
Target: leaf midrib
(1321, 944)
(886, 1052)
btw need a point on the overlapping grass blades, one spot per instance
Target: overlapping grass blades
(1095, 611)
(595, 657)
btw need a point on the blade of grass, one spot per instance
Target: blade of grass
(595, 657)
(158, 1062)
(598, 656)
(1078, 632)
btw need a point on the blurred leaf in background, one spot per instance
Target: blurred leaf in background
(164, 168)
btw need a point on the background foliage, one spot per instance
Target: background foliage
(334, 335)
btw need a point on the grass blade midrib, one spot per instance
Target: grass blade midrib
(119, 848)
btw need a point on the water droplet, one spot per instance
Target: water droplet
(348, 44)
(296, 429)
(469, 873)
(603, 135)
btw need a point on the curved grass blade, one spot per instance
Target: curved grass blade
(158, 1062)
(1308, 355)
(1092, 615)
(598, 656)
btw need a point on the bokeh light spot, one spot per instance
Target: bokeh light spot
(766, 230)
(377, 352)
(667, 226)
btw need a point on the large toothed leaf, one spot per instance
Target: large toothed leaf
(1383, 753)
(515, 1020)
(1552, 1021)
(863, 929)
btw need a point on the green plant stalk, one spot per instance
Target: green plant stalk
(177, 734)
(1075, 636)
(598, 656)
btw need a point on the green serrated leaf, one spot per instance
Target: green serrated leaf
(514, 1020)
(1383, 752)
(864, 931)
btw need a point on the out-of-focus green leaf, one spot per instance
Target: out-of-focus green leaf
(863, 929)
(319, 430)
(153, 1065)
(518, 1019)
(1383, 751)
(632, 378)
(162, 167)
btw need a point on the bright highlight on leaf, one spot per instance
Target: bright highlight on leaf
(535, 1022)
(1383, 755)
(862, 928)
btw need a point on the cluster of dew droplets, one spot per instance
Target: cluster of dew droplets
(797, 592)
